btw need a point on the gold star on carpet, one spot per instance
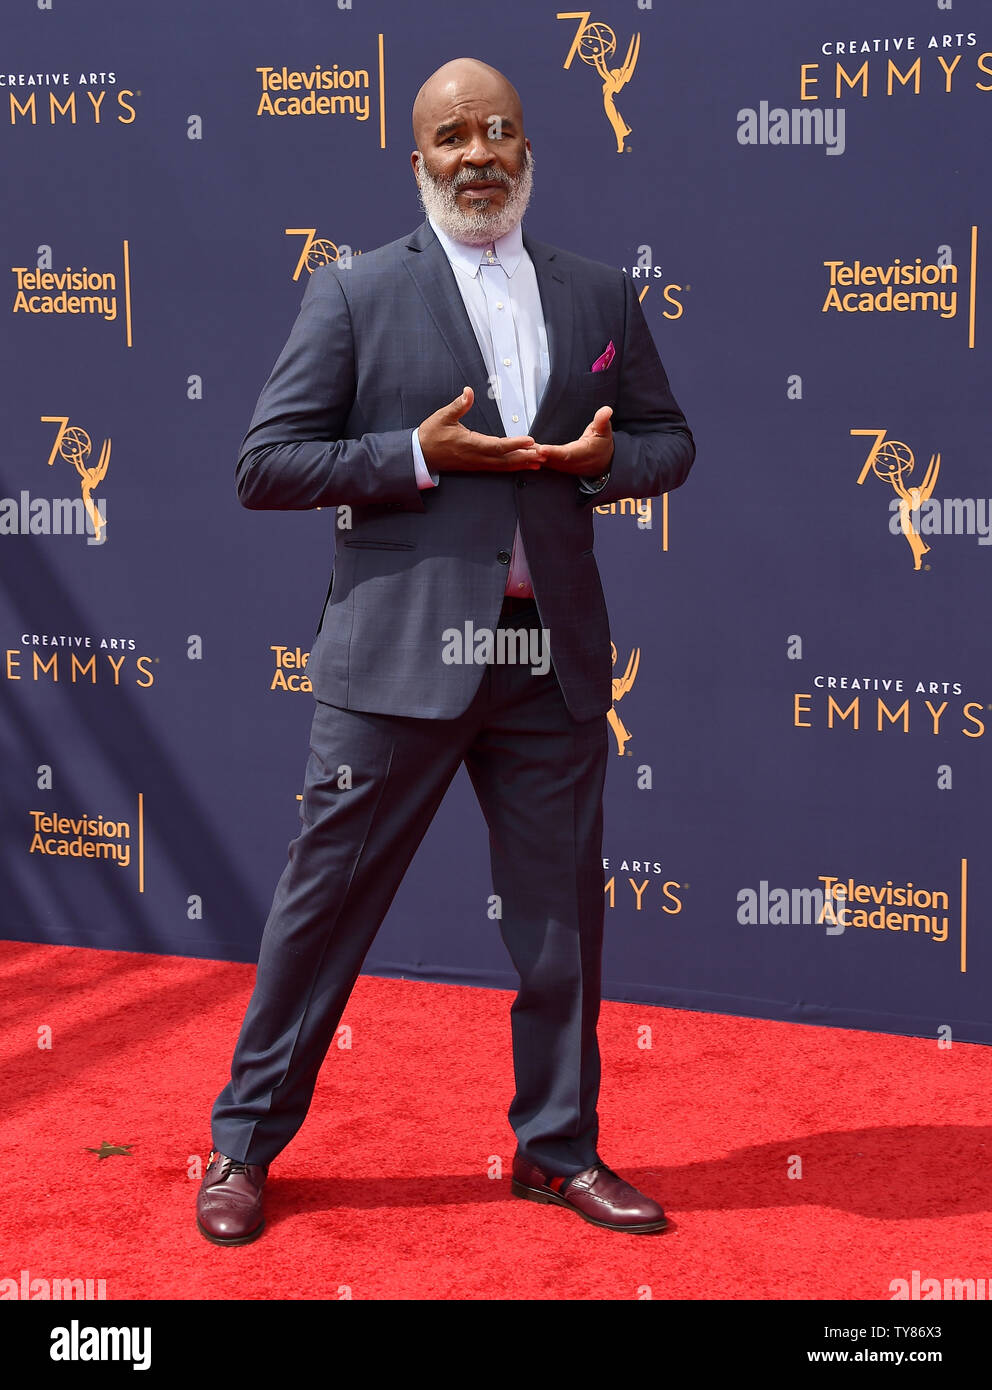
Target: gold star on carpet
(106, 1150)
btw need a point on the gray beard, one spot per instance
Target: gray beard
(437, 198)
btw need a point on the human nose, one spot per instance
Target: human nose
(477, 151)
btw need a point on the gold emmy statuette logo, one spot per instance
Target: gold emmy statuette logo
(621, 684)
(893, 461)
(75, 446)
(318, 251)
(595, 44)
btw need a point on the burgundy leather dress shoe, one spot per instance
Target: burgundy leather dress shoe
(598, 1195)
(229, 1203)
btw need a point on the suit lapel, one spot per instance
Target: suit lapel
(435, 280)
(555, 286)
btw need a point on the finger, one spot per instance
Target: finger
(554, 453)
(460, 406)
(511, 446)
(520, 458)
(514, 458)
(601, 420)
(496, 444)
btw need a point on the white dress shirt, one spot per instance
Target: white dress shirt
(498, 287)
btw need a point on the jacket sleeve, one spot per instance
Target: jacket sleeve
(653, 448)
(294, 455)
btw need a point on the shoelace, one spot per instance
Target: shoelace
(229, 1165)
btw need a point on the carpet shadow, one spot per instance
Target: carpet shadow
(888, 1173)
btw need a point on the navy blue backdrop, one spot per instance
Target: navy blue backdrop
(804, 687)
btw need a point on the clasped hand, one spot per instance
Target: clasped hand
(449, 447)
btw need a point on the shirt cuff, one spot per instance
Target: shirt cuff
(425, 478)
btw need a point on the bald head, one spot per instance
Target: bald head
(457, 86)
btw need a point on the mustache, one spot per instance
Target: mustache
(494, 175)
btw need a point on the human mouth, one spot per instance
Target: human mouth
(476, 191)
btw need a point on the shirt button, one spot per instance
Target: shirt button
(503, 557)
(515, 418)
(499, 306)
(506, 362)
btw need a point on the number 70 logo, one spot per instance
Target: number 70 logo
(318, 251)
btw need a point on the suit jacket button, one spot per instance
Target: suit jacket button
(503, 557)
(521, 482)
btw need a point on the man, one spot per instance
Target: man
(470, 395)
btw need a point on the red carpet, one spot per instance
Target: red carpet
(385, 1192)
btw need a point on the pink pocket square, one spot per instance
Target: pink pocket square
(601, 363)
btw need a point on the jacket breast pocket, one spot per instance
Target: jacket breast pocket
(606, 377)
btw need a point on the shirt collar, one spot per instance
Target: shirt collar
(509, 249)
